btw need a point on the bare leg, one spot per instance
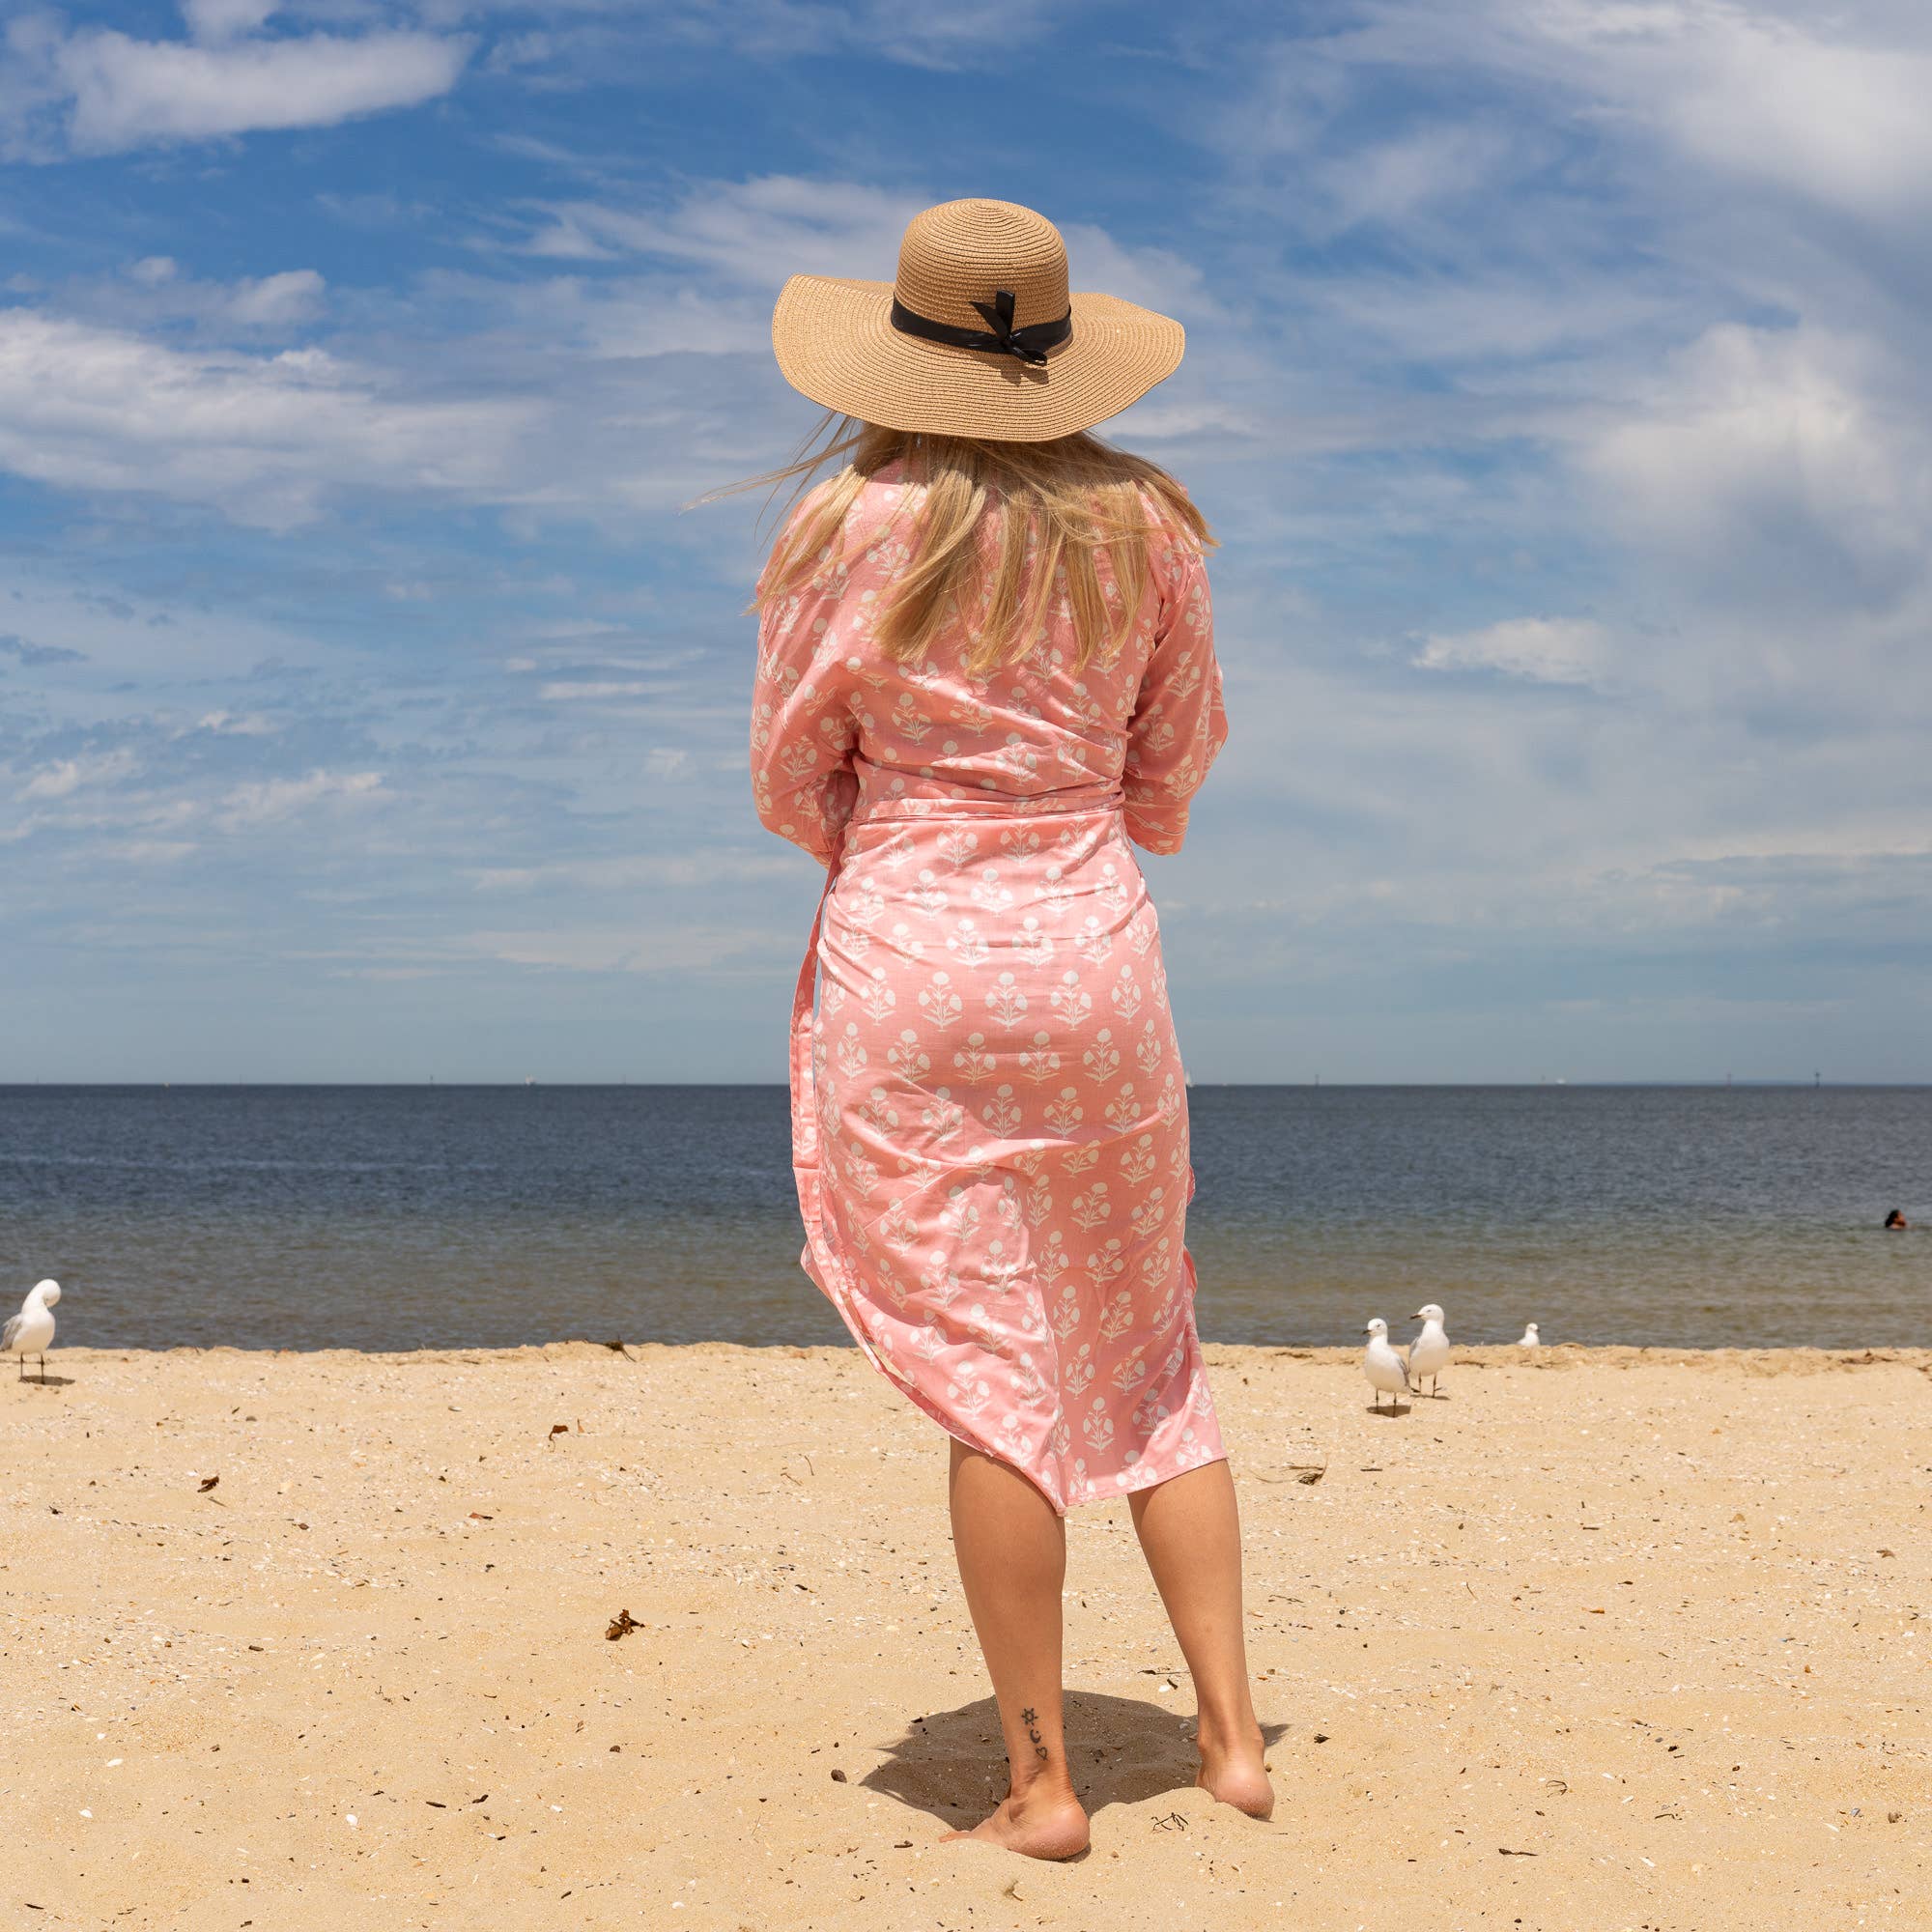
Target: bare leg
(1012, 1562)
(1190, 1532)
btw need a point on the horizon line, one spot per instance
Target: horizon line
(429, 1082)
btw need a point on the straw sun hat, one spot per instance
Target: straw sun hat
(979, 336)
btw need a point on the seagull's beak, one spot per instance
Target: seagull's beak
(1417, 1315)
(1366, 1329)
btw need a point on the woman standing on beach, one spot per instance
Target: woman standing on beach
(986, 664)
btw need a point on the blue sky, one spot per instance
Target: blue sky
(371, 707)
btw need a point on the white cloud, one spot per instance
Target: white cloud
(1471, 313)
(1768, 452)
(1827, 104)
(155, 852)
(753, 233)
(276, 300)
(158, 289)
(124, 93)
(1549, 650)
(1399, 180)
(614, 317)
(264, 437)
(1830, 115)
(1155, 419)
(1453, 807)
(1156, 279)
(223, 20)
(72, 775)
(263, 801)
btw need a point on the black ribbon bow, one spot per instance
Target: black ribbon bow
(1028, 343)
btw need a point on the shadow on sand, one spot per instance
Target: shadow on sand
(47, 1381)
(1388, 1412)
(952, 1764)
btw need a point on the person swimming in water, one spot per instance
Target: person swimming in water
(1896, 1220)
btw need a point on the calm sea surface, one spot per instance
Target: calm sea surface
(405, 1217)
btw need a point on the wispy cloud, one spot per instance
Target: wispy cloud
(1548, 650)
(1799, 456)
(155, 292)
(111, 92)
(1830, 108)
(70, 775)
(269, 800)
(265, 438)
(743, 231)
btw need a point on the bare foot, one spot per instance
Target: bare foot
(1037, 1823)
(1235, 1774)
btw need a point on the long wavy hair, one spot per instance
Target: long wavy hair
(996, 532)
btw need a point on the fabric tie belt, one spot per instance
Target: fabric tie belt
(910, 809)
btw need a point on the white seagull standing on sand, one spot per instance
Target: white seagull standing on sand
(1428, 1352)
(1383, 1365)
(31, 1332)
(1530, 1338)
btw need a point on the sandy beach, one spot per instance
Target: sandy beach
(1605, 1639)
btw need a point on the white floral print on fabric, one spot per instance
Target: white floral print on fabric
(989, 1115)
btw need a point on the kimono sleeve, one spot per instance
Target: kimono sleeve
(804, 733)
(1179, 723)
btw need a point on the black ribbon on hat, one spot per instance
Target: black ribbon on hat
(1030, 344)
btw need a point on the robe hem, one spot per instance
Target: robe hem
(978, 1444)
(1139, 1476)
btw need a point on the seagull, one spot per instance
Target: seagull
(1383, 1365)
(1530, 1338)
(31, 1332)
(1428, 1352)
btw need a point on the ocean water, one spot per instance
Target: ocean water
(406, 1217)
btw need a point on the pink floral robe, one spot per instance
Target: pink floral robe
(989, 1115)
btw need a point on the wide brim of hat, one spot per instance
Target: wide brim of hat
(835, 343)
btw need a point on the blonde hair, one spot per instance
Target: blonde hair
(996, 532)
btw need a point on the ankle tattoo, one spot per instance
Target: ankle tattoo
(1030, 1719)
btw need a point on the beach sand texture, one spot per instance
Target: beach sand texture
(1605, 1639)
